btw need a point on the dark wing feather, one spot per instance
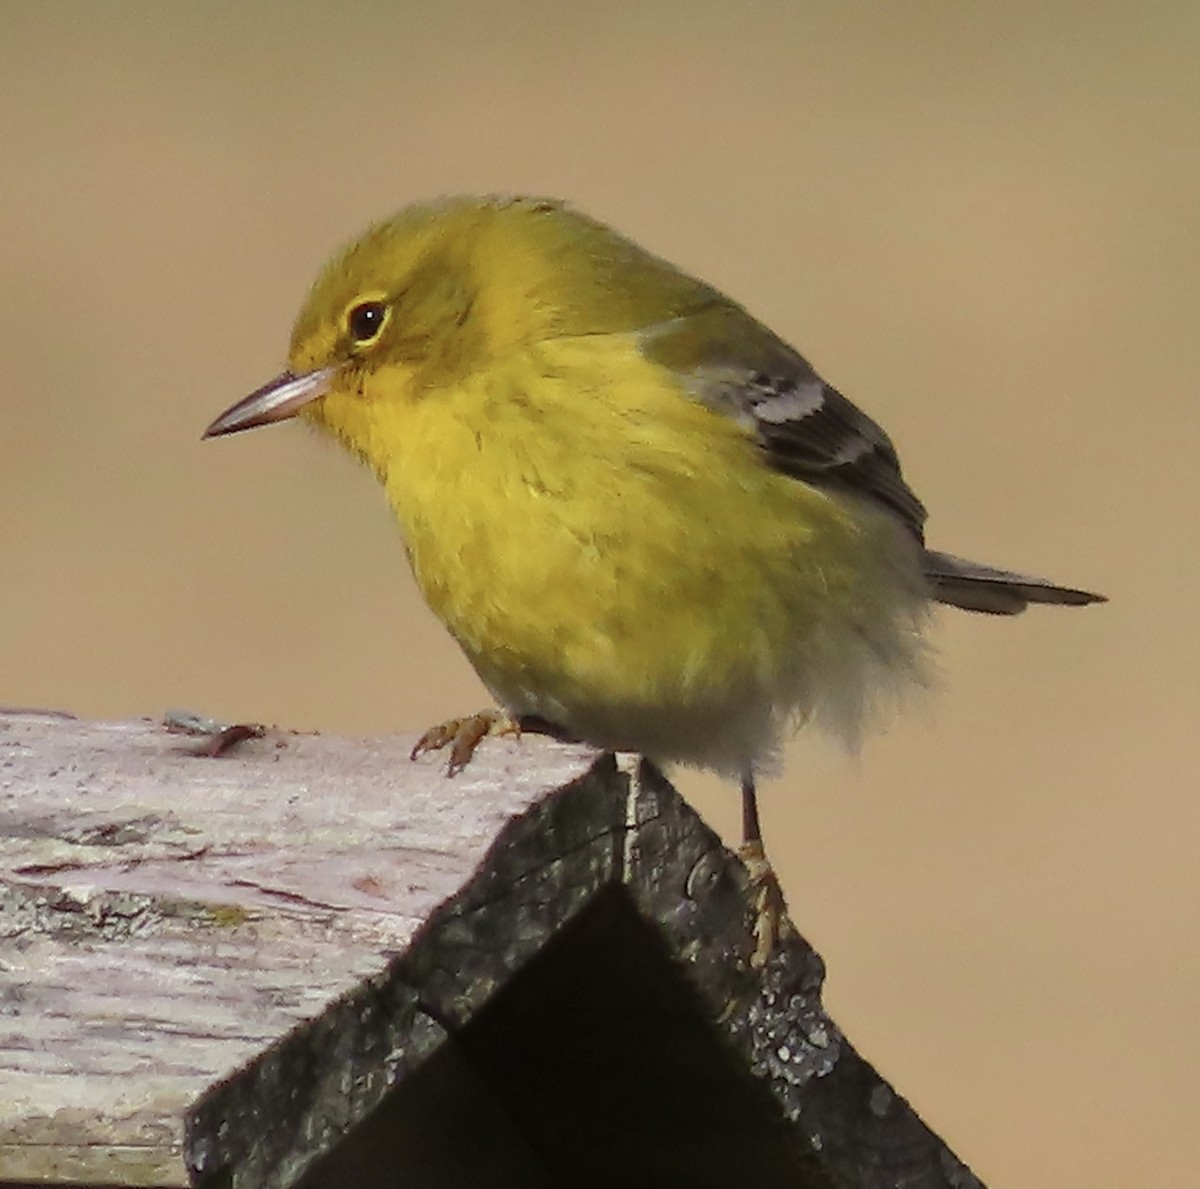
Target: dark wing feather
(812, 431)
(806, 428)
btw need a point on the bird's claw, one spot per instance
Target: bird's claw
(771, 921)
(463, 735)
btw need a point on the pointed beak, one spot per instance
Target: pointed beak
(277, 400)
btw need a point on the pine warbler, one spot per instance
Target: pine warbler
(643, 516)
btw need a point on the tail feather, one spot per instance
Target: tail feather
(973, 586)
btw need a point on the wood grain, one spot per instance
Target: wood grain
(165, 916)
(308, 961)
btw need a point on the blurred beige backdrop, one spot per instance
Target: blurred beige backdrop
(981, 221)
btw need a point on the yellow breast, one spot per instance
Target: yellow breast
(617, 558)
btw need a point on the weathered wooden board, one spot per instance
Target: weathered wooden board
(311, 962)
(165, 915)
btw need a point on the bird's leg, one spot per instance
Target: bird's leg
(751, 829)
(464, 735)
(771, 923)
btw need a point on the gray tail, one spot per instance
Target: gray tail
(976, 587)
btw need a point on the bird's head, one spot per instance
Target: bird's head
(442, 291)
(392, 314)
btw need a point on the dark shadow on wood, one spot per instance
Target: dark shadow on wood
(596, 1066)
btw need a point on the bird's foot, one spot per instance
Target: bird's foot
(463, 735)
(771, 921)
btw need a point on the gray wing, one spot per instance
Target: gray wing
(811, 431)
(806, 427)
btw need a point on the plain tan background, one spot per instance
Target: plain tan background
(980, 220)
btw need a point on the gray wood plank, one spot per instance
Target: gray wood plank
(165, 915)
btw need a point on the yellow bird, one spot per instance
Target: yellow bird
(643, 516)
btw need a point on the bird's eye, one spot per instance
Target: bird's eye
(365, 321)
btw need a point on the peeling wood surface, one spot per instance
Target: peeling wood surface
(165, 915)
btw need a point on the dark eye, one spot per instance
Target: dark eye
(365, 321)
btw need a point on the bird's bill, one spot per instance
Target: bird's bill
(277, 400)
